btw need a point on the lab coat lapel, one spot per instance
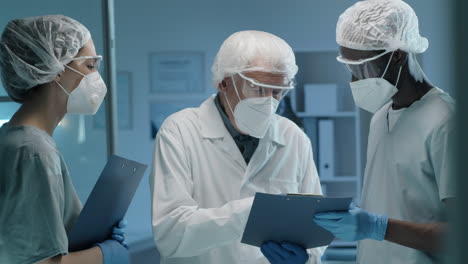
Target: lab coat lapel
(230, 148)
(214, 129)
(267, 147)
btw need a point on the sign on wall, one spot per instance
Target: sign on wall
(176, 72)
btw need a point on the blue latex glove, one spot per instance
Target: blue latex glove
(118, 233)
(115, 250)
(114, 253)
(284, 253)
(354, 224)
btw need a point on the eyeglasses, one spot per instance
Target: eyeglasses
(288, 84)
(364, 68)
(96, 60)
(361, 61)
(254, 88)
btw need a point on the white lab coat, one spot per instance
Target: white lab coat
(202, 189)
(409, 172)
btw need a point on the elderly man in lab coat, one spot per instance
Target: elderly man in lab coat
(210, 161)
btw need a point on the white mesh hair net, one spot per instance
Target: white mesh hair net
(380, 25)
(253, 51)
(34, 50)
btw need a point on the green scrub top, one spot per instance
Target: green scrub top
(38, 203)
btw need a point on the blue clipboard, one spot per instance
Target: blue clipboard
(290, 218)
(107, 203)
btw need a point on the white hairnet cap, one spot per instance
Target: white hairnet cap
(34, 50)
(380, 25)
(253, 51)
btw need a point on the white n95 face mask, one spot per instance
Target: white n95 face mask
(254, 116)
(87, 97)
(371, 94)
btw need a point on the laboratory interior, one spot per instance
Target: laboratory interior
(157, 59)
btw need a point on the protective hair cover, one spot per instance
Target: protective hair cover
(253, 51)
(380, 25)
(34, 50)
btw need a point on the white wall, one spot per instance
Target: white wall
(144, 26)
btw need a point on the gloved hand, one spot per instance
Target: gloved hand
(354, 224)
(284, 253)
(118, 233)
(115, 250)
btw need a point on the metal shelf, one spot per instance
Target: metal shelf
(340, 179)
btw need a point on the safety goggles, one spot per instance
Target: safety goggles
(365, 68)
(253, 88)
(95, 61)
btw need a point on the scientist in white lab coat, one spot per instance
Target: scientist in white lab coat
(210, 161)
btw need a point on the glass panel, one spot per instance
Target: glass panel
(7, 109)
(84, 149)
(2, 90)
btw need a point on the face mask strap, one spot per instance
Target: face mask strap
(388, 64)
(227, 99)
(235, 88)
(72, 70)
(398, 78)
(399, 71)
(75, 70)
(63, 88)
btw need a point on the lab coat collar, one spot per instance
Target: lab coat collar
(274, 133)
(213, 126)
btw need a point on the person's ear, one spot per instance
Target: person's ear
(223, 85)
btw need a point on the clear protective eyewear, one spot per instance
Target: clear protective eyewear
(95, 61)
(365, 68)
(253, 88)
